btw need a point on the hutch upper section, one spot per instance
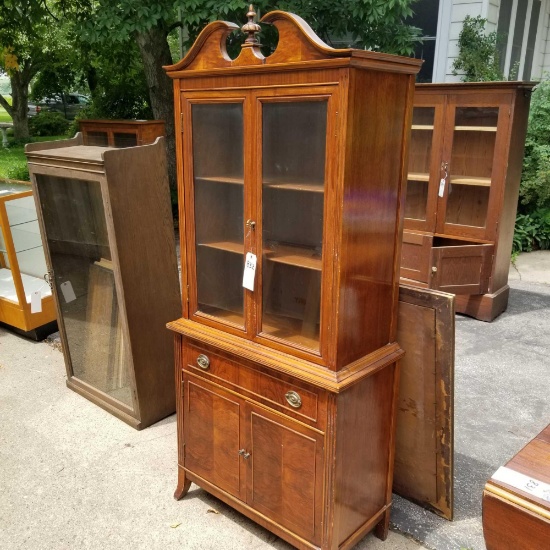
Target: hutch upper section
(296, 159)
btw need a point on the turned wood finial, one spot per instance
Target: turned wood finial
(251, 28)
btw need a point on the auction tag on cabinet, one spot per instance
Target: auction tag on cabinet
(36, 301)
(441, 187)
(249, 271)
(68, 292)
(525, 483)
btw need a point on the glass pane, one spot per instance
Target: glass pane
(294, 143)
(125, 139)
(420, 154)
(471, 165)
(219, 209)
(76, 231)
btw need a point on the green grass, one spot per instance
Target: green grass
(13, 161)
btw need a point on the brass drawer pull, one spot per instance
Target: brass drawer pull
(294, 400)
(203, 362)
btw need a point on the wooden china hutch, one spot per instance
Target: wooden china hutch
(465, 164)
(291, 182)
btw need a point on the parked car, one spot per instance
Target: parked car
(67, 104)
(33, 109)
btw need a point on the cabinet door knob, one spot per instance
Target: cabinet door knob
(294, 400)
(243, 453)
(203, 362)
(434, 270)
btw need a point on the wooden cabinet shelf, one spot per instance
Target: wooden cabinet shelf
(470, 180)
(462, 187)
(475, 128)
(228, 246)
(418, 177)
(219, 179)
(294, 256)
(293, 186)
(422, 127)
(287, 285)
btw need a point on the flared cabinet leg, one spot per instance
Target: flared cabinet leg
(183, 484)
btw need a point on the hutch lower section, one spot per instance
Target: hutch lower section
(313, 466)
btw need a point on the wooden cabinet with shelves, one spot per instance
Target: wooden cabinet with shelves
(120, 133)
(293, 166)
(23, 271)
(465, 163)
(107, 228)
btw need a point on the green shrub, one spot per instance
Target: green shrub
(48, 124)
(535, 180)
(18, 170)
(478, 54)
(532, 232)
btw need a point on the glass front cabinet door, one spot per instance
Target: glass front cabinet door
(268, 204)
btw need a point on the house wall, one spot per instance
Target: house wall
(451, 18)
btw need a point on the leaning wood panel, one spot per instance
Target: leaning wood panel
(424, 442)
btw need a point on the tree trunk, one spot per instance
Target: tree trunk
(153, 46)
(19, 110)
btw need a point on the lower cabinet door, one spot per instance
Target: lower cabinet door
(212, 435)
(285, 472)
(460, 268)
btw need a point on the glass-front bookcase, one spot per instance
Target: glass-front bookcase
(26, 302)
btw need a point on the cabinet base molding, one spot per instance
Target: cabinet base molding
(90, 395)
(484, 307)
(378, 524)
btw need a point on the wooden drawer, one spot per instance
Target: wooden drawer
(449, 265)
(277, 392)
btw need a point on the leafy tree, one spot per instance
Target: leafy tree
(26, 39)
(478, 54)
(375, 24)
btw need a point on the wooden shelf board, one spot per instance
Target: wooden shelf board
(229, 316)
(475, 128)
(422, 127)
(290, 186)
(289, 255)
(415, 176)
(286, 328)
(469, 180)
(295, 256)
(228, 246)
(220, 179)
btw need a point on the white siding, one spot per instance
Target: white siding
(541, 62)
(460, 9)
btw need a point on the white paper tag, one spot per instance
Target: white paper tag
(36, 301)
(249, 271)
(441, 187)
(525, 483)
(68, 292)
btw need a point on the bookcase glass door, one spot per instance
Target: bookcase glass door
(293, 184)
(76, 232)
(471, 166)
(420, 156)
(218, 182)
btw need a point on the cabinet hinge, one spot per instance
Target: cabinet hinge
(181, 123)
(336, 125)
(187, 294)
